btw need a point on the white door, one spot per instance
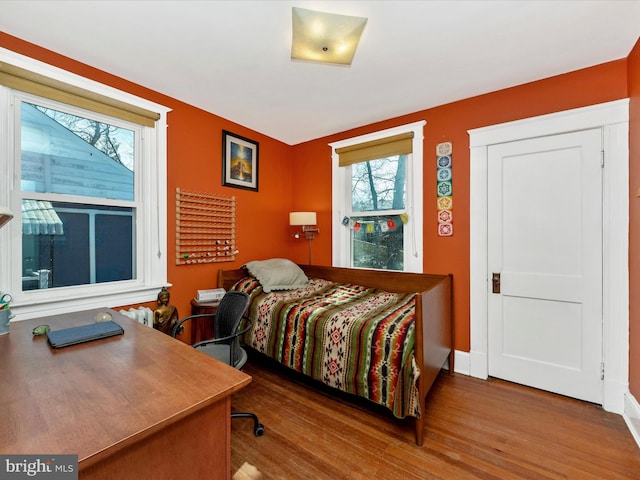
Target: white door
(545, 244)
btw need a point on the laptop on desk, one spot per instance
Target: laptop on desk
(84, 333)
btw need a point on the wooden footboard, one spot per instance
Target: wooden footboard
(434, 340)
(434, 325)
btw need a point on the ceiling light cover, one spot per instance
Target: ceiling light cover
(325, 37)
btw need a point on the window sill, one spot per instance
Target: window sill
(132, 296)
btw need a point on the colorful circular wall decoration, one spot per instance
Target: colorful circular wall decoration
(444, 188)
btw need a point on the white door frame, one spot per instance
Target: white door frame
(613, 118)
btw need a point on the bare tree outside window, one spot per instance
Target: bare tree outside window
(113, 141)
(379, 193)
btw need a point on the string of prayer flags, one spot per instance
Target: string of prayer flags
(376, 226)
(444, 188)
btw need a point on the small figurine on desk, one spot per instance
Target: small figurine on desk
(165, 316)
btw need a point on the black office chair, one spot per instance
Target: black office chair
(225, 346)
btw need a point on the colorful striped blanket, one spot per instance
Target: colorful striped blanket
(357, 339)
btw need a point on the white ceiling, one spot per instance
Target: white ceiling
(232, 58)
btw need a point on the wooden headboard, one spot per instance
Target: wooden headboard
(390, 281)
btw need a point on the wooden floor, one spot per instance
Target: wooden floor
(475, 429)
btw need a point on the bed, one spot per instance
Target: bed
(428, 337)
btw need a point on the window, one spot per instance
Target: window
(66, 156)
(377, 200)
(87, 187)
(378, 190)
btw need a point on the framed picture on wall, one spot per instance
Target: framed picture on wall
(239, 161)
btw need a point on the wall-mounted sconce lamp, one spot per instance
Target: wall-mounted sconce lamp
(5, 216)
(308, 221)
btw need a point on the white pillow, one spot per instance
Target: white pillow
(277, 274)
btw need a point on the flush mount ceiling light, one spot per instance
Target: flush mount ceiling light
(325, 37)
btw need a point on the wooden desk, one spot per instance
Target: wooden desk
(139, 405)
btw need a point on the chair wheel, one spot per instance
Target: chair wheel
(259, 430)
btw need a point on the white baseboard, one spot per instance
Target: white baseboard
(614, 396)
(632, 416)
(461, 360)
(478, 365)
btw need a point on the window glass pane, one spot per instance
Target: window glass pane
(67, 244)
(378, 185)
(114, 249)
(378, 242)
(67, 154)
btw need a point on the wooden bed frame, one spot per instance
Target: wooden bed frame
(434, 321)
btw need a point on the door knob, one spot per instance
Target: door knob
(495, 283)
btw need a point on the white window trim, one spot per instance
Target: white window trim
(152, 240)
(341, 198)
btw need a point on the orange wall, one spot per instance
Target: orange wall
(634, 221)
(194, 150)
(312, 163)
(299, 177)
